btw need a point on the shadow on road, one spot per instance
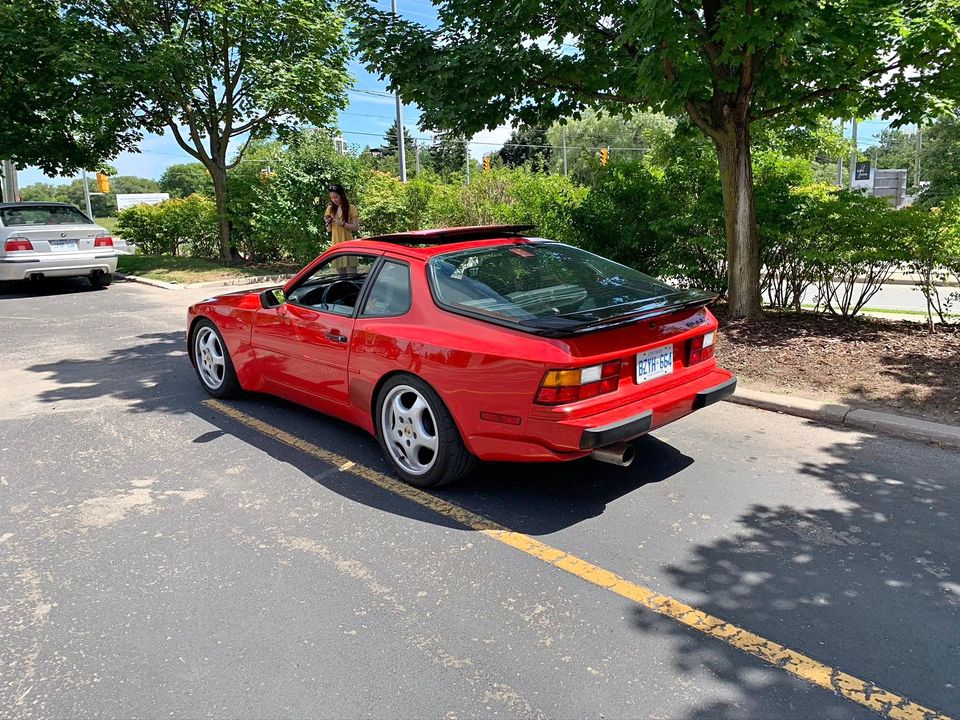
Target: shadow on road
(872, 589)
(153, 374)
(19, 289)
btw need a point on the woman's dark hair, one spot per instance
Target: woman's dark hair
(344, 201)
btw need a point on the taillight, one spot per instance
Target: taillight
(566, 386)
(700, 348)
(103, 241)
(16, 244)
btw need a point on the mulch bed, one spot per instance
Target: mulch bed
(896, 366)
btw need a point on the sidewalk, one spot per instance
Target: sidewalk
(847, 416)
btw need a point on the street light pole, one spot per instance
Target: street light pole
(853, 155)
(86, 195)
(466, 146)
(402, 153)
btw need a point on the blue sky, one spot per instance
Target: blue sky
(370, 112)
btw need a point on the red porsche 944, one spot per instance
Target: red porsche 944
(469, 343)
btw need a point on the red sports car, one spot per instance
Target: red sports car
(464, 343)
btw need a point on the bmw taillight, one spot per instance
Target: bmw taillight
(566, 386)
(103, 241)
(700, 348)
(17, 244)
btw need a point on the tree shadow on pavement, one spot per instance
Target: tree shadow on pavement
(871, 588)
(19, 289)
(151, 374)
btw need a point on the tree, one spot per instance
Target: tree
(527, 146)
(896, 150)
(62, 109)
(449, 154)
(726, 64)
(218, 72)
(642, 133)
(940, 161)
(186, 179)
(102, 205)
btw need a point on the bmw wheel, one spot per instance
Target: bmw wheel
(418, 434)
(212, 361)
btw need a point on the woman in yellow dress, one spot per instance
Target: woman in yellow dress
(340, 216)
(342, 220)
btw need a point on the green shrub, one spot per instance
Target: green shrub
(855, 243)
(181, 226)
(279, 215)
(386, 206)
(933, 238)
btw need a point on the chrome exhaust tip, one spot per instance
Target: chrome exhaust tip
(617, 454)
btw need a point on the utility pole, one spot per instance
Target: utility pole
(416, 151)
(564, 150)
(840, 162)
(402, 153)
(86, 195)
(11, 190)
(466, 146)
(916, 174)
(853, 154)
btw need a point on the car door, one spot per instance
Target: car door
(303, 345)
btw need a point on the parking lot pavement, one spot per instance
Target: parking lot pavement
(163, 556)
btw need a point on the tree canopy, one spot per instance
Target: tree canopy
(218, 73)
(724, 63)
(63, 107)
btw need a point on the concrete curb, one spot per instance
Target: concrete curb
(147, 281)
(847, 416)
(234, 282)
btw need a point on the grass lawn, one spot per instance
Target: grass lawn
(107, 223)
(185, 270)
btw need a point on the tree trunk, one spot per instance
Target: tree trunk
(740, 216)
(219, 175)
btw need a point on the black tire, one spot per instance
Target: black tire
(100, 280)
(451, 459)
(206, 364)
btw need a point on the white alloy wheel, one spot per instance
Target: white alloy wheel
(409, 430)
(209, 356)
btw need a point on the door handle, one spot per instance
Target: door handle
(336, 336)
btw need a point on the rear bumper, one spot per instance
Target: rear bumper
(57, 266)
(567, 439)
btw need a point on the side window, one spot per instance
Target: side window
(390, 294)
(335, 285)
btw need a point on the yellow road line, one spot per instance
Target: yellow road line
(884, 702)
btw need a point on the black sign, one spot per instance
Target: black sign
(863, 171)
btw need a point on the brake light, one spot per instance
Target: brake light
(103, 241)
(16, 244)
(566, 386)
(700, 348)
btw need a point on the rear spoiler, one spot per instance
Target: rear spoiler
(565, 327)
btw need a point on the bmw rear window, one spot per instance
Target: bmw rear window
(548, 286)
(42, 215)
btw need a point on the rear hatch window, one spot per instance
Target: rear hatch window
(551, 288)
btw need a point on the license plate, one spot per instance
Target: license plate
(654, 363)
(63, 245)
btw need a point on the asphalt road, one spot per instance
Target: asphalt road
(162, 558)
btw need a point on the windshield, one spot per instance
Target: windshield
(42, 215)
(548, 285)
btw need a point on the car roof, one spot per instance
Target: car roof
(427, 243)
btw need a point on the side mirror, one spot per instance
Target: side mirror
(272, 297)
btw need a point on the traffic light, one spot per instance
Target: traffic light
(486, 163)
(604, 155)
(103, 183)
